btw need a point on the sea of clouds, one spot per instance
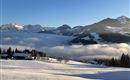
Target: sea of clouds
(81, 51)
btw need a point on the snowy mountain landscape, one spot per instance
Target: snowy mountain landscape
(109, 30)
(106, 39)
(92, 40)
(107, 25)
(64, 40)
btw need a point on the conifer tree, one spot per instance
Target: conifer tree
(9, 52)
(0, 51)
(125, 60)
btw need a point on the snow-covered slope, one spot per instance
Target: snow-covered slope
(37, 70)
(33, 28)
(123, 19)
(96, 37)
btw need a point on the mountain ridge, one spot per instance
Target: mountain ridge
(108, 30)
(121, 21)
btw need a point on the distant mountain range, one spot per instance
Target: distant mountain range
(105, 31)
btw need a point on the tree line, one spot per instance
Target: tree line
(10, 52)
(35, 54)
(123, 61)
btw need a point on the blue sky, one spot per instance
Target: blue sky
(53, 13)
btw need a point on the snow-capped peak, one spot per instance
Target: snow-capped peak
(11, 27)
(18, 26)
(123, 19)
(26, 28)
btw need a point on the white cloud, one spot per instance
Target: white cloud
(99, 50)
(80, 51)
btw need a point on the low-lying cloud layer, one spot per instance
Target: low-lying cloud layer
(80, 51)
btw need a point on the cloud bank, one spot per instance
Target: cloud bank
(80, 51)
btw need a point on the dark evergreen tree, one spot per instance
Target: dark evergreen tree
(9, 52)
(125, 60)
(122, 60)
(3, 52)
(34, 53)
(0, 51)
(113, 62)
(18, 51)
(42, 54)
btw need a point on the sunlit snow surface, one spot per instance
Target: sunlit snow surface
(38, 70)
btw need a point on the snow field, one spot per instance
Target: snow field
(38, 70)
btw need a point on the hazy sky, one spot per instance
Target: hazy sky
(53, 13)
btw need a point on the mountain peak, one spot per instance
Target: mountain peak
(122, 19)
(64, 26)
(18, 26)
(11, 26)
